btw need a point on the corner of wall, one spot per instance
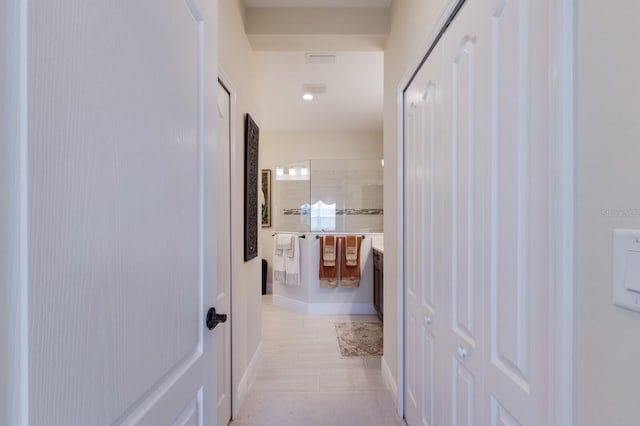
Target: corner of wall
(243, 13)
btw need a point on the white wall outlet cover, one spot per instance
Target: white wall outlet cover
(626, 268)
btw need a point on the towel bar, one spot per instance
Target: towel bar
(299, 236)
(363, 236)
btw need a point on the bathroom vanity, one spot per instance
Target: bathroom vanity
(378, 278)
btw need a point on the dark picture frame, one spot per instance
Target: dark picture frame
(251, 136)
(266, 192)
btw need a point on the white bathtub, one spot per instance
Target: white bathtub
(309, 298)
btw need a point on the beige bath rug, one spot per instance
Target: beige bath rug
(360, 338)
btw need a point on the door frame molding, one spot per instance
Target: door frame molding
(223, 78)
(561, 215)
(561, 17)
(14, 283)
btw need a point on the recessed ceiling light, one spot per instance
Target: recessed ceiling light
(307, 97)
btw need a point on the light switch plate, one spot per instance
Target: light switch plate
(626, 268)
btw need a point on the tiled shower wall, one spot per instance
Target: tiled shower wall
(293, 197)
(351, 189)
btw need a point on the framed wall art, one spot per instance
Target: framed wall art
(251, 133)
(266, 200)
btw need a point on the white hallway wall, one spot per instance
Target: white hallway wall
(278, 148)
(236, 59)
(607, 338)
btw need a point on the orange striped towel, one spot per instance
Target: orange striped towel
(328, 272)
(351, 260)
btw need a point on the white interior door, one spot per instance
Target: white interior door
(121, 220)
(476, 254)
(223, 297)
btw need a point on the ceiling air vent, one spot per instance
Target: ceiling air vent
(321, 58)
(314, 88)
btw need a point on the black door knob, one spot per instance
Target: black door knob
(214, 318)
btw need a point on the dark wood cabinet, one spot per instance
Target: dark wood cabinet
(378, 261)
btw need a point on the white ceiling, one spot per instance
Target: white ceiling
(354, 98)
(319, 3)
(353, 101)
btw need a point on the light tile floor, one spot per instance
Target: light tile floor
(303, 380)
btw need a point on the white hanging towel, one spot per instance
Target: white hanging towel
(286, 259)
(280, 244)
(284, 242)
(292, 263)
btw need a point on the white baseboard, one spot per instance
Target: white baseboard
(292, 304)
(341, 308)
(344, 308)
(247, 378)
(389, 381)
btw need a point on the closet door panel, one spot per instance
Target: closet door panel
(467, 60)
(517, 307)
(429, 391)
(464, 408)
(510, 146)
(423, 286)
(463, 196)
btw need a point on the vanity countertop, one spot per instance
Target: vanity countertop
(378, 244)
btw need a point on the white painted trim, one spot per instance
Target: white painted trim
(233, 101)
(14, 268)
(344, 308)
(244, 385)
(14, 326)
(400, 257)
(24, 212)
(561, 133)
(287, 303)
(419, 56)
(391, 384)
